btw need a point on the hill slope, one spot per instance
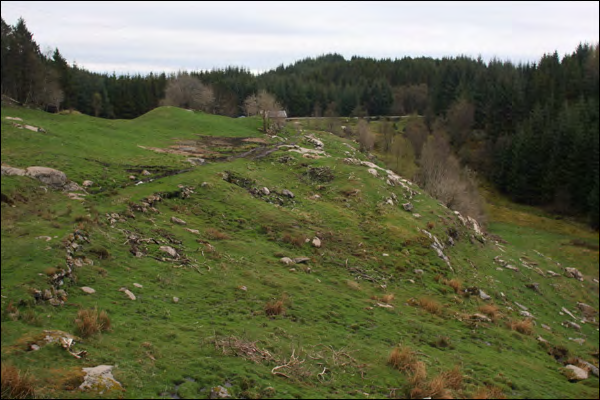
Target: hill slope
(203, 249)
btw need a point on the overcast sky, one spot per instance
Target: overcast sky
(131, 37)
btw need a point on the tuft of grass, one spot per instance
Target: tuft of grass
(353, 285)
(430, 305)
(488, 392)
(296, 241)
(525, 326)
(91, 322)
(403, 359)
(215, 234)
(275, 307)
(454, 378)
(455, 284)
(387, 298)
(491, 311)
(418, 374)
(16, 384)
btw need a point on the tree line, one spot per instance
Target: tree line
(530, 128)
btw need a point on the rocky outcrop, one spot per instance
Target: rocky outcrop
(575, 373)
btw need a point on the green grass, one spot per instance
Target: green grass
(161, 346)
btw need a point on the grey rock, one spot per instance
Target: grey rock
(408, 207)
(484, 296)
(178, 221)
(316, 242)
(572, 325)
(265, 191)
(169, 250)
(288, 193)
(573, 273)
(99, 379)
(219, 392)
(287, 261)
(301, 260)
(48, 176)
(576, 373)
(128, 293)
(88, 290)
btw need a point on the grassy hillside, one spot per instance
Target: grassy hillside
(373, 312)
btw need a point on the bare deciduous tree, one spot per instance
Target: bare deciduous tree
(403, 157)
(267, 106)
(188, 92)
(416, 132)
(366, 139)
(442, 176)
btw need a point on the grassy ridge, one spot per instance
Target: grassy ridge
(332, 319)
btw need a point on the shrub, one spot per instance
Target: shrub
(15, 384)
(90, 322)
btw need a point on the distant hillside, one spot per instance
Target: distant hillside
(201, 258)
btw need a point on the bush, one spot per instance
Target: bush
(430, 305)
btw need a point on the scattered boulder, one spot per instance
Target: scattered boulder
(316, 242)
(219, 392)
(480, 318)
(287, 193)
(373, 172)
(265, 191)
(301, 260)
(575, 373)
(593, 369)
(572, 325)
(287, 261)
(169, 250)
(137, 285)
(484, 296)
(194, 231)
(573, 273)
(128, 293)
(178, 221)
(100, 380)
(511, 267)
(408, 207)
(10, 171)
(196, 161)
(14, 119)
(552, 274)
(88, 290)
(48, 176)
(419, 271)
(546, 327)
(175, 300)
(87, 183)
(146, 173)
(579, 341)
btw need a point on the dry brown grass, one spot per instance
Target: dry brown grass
(275, 307)
(387, 298)
(491, 311)
(430, 225)
(353, 285)
(418, 374)
(215, 234)
(430, 305)
(455, 284)
(525, 326)
(403, 359)
(488, 392)
(16, 384)
(296, 241)
(454, 378)
(90, 322)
